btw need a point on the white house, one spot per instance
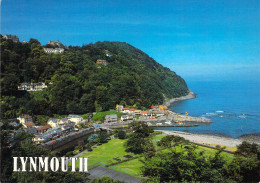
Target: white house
(119, 108)
(75, 118)
(111, 118)
(57, 122)
(14, 38)
(25, 118)
(53, 122)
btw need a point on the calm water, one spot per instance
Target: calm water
(234, 107)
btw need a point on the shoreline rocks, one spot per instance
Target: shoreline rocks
(169, 102)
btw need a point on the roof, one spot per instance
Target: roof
(43, 128)
(29, 124)
(143, 112)
(132, 109)
(64, 120)
(53, 120)
(126, 108)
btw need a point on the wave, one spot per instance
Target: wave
(219, 111)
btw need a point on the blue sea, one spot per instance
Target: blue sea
(233, 107)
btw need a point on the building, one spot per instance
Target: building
(14, 38)
(111, 118)
(108, 53)
(144, 113)
(54, 50)
(101, 62)
(126, 110)
(28, 125)
(31, 130)
(131, 111)
(57, 122)
(32, 86)
(127, 117)
(25, 118)
(43, 129)
(138, 112)
(119, 108)
(53, 122)
(57, 43)
(75, 118)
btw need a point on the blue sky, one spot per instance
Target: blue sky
(199, 40)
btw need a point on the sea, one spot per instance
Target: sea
(232, 106)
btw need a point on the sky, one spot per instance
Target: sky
(199, 40)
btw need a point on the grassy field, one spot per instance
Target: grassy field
(132, 167)
(107, 153)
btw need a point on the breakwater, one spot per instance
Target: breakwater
(182, 118)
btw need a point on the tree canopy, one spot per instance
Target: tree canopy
(78, 84)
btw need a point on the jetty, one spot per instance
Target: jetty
(185, 118)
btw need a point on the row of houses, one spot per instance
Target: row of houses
(29, 126)
(77, 119)
(32, 86)
(154, 111)
(114, 118)
(53, 133)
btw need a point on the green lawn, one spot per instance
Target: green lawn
(132, 167)
(104, 154)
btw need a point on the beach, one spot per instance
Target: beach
(212, 138)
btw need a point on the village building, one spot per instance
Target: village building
(119, 108)
(32, 86)
(111, 118)
(54, 50)
(57, 43)
(138, 112)
(156, 113)
(53, 122)
(101, 62)
(127, 117)
(43, 129)
(28, 125)
(126, 110)
(25, 118)
(144, 113)
(108, 53)
(31, 130)
(76, 119)
(57, 122)
(131, 111)
(14, 38)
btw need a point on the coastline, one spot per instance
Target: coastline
(208, 138)
(169, 102)
(212, 138)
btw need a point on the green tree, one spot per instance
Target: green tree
(121, 134)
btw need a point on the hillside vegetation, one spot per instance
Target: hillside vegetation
(79, 84)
